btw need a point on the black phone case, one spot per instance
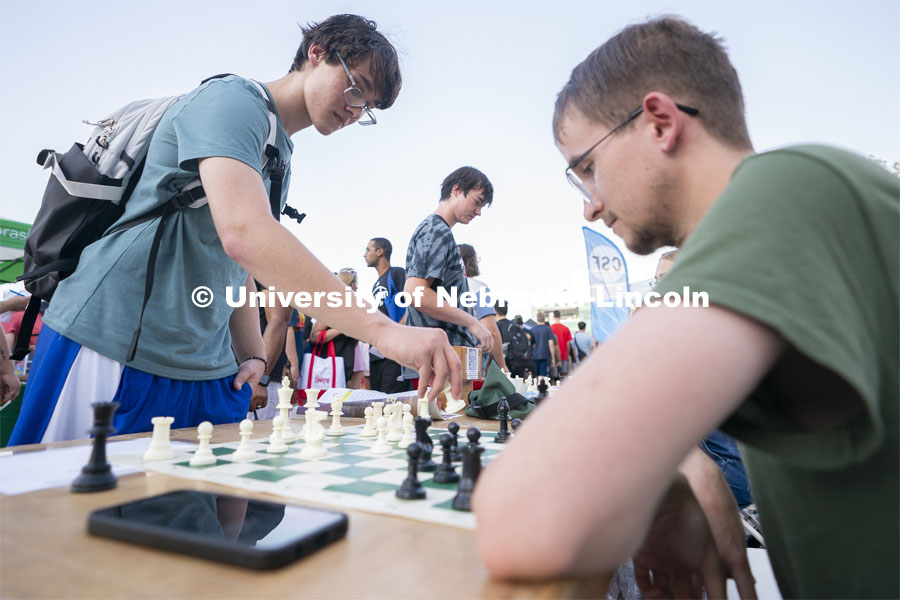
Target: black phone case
(172, 540)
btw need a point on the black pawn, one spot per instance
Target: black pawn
(424, 440)
(503, 411)
(515, 424)
(470, 471)
(97, 475)
(455, 453)
(411, 488)
(543, 388)
(445, 472)
(474, 434)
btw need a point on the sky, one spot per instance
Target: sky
(479, 83)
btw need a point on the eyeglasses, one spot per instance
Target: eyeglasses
(355, 98)
(348, 270)
(575, 180)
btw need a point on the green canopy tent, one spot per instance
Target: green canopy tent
(12, 249)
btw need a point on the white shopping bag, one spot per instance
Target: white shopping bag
(322, 373)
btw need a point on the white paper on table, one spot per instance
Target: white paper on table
(57, 467)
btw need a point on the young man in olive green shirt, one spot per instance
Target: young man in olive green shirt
(796, 356)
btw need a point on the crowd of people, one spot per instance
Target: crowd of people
(795, 358)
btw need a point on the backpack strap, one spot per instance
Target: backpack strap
(23, 339)
(179, 202)
(192, 195)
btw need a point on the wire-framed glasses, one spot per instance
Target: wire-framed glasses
(575, 180)
(355, 98)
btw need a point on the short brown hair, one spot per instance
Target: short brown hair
(356, 39)
(666, 54)
(468, 179)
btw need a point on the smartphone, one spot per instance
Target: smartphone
(239, 531)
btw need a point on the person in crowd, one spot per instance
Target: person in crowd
(433, 261)
(544, 346)
(563, 343)
(386, 375)
(484, 307)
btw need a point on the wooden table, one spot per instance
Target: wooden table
(45, 552)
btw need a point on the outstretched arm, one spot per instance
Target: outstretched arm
(428, 304)
(250, 236)
(654, 389)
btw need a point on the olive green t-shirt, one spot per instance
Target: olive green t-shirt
(805, 240)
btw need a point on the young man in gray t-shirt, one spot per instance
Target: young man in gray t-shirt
(433, 260)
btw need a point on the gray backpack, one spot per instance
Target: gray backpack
(88, 188)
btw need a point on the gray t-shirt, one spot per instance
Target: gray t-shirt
(99, 304)
(433, 253)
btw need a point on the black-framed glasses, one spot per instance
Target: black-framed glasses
(355, 98)
(575, 180)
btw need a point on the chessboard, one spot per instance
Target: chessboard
(349, 477)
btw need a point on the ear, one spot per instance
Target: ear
(316, 54)
(455, 190)
(667, 120)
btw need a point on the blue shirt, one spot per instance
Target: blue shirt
(542, 334)
(99, 304)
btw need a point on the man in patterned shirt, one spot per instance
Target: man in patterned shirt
(433, 260)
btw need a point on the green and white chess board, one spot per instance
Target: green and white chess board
(349, 477)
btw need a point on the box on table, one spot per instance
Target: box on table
(471, 362)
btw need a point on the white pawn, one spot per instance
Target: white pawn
(315, 436)
(245, 450)
(160, 446)
(369, 428)
(284, 408)
(422, 408)
(276, 444)
(204, 454)
(395, 422)
(409, 435)
(382, 447)
(336, 428)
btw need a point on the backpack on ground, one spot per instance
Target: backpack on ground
(518, 348)
(88, 188)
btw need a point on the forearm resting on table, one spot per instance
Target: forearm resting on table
(429, 304)
(576, 489)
